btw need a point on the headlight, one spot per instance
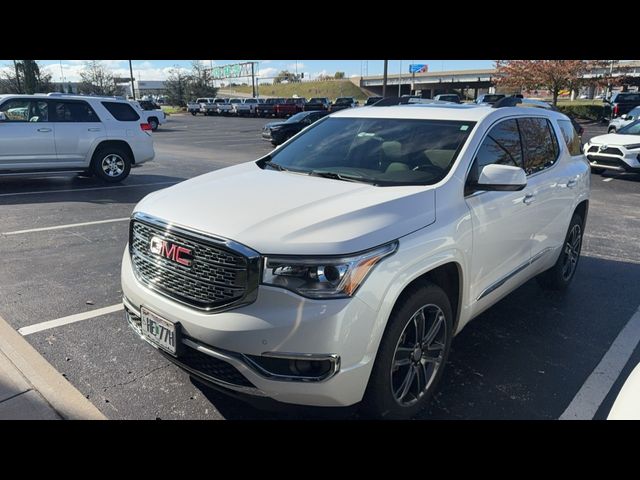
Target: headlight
(323, 277)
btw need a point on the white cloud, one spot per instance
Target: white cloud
(142, 71)
(292, 66)
(268, 72)
(266, 62)
(317, 74)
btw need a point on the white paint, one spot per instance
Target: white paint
(594, 390)
(78, 317)
(70, 225)
(87, 189)
(608, 179)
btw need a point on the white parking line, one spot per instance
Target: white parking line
(78, 317)
(88, 189)
(70, 225)
(608, 179)
(593, 392)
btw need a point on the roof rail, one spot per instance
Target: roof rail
(390, 101)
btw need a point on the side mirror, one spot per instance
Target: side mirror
(3, 117)
(500, 178)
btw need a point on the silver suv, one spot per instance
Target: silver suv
(623, 120)
(102, 136)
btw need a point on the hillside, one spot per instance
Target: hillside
(331, 89)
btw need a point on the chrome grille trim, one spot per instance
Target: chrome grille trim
(224, 274)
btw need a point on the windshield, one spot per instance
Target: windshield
(344, 100)
(377, 150)
(631, 129)
(298, 117)
(250, 100)
(317, 100)
(220, 100)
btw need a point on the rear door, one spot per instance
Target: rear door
(78, 128)
(27, 135)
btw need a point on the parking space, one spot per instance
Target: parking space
(62, 243)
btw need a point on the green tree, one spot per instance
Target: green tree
(339, 75)
(26, 76)
(69, 88)
(177, 87)
(200, 81)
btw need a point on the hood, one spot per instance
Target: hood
(286, 213)
(615, 139)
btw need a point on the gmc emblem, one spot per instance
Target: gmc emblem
(171, 251)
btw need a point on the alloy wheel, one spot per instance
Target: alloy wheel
(113, 165)
(571, 252)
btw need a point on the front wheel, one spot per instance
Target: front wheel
(412, 354)
(560, 275)
(111, 164)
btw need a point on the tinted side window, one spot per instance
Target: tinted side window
(74, 112)
(121, 111)
(570, 137)
(540, 144)
(501, 145)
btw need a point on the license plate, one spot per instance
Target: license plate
(159, 331)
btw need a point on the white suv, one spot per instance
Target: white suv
(103, 136)
(338, 268)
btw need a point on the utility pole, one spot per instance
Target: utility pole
(133, 88)
(400, 81)
(15, 65)
(384, 79)
(253, 80)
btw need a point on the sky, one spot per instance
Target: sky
(69, 70)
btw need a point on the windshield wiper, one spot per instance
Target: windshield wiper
(275, 166)
(341, 176)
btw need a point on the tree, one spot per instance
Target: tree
(97, 80)
(200, 82)
(26, 76)
(554, 75)
(339, 75)
(177, 87)
(69, 88)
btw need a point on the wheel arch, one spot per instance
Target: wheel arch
(114, 143)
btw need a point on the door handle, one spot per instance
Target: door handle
(572, 183)
(528, 198)
(44, 129)
(94, 129)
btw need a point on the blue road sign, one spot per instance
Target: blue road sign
(418, 68)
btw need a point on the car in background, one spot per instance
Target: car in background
(204, 105)
(235, 103)
(268, 108)
(290, 106)
(249, 106)
(623, 102)
(448, 97)
(343, 102)
(101, 136)
(623, 120)
(317, 103)
(489, 98)
(150, 111)
(222, 106)
(618, 151)
(372, 100)
(280, 132)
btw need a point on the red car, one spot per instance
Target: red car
(291, 106)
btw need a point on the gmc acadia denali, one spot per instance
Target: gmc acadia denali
(338, 268)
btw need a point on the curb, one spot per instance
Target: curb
(65, 399)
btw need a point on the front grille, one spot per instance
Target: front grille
(608, 150)
(613, 162)
(218, 276)
(212, 367)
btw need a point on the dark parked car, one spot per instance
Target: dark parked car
(280, 132)
(318, 103)
(490, 98)
(372, 100)
(290, 106)
(268, 108)
(623, 102)
(149, 105)
(343, 102)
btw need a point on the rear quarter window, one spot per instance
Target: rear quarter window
(571, 137)
(122, 112)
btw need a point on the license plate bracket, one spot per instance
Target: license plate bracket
(160, 332)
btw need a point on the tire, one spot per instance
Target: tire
(384, 395)
(194, 113)
(612, 130)
(111, 164)
(154, 124)
(559, 276)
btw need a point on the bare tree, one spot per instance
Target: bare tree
(554, 75)
(26, 76)
(97, 80)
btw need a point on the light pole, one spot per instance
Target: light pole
(384, 79)
(400, 81)
(133, 87)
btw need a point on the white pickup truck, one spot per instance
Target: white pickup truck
(222, 106)
(203, 105)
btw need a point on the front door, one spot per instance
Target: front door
(501, 221)
(26, 135)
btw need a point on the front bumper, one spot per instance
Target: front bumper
(278, 322)
(621, 159)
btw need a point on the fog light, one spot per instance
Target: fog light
(295, 367)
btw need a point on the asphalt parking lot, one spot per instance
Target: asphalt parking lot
(525, 358)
